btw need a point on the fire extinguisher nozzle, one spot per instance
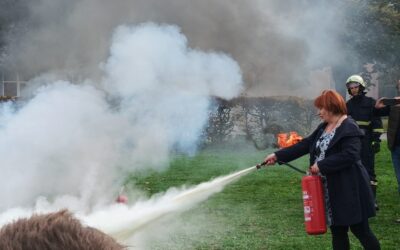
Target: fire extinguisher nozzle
(258, 166)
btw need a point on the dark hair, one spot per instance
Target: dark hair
(59, 230)
(331, 101)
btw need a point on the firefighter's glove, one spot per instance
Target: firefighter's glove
(376, 147)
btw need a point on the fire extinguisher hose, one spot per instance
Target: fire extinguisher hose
(293, 167)
(284, 163)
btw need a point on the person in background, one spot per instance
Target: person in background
(361, 108)
(393, 135)
(334, 149)
(58, 230)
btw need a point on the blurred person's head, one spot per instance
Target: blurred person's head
(330, 104)
(59, 230)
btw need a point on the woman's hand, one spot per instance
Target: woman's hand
(270, 159)
(314, 169)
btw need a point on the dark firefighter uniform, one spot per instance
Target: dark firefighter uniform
(361, 109)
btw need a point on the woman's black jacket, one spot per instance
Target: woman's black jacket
(350, 194)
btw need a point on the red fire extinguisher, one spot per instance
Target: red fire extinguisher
(313, 201)
(314, 205)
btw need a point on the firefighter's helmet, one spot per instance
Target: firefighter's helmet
(357, 79)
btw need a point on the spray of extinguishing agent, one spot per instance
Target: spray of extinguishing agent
(313, 201)
(314, 212)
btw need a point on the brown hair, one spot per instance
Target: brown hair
(59, 230)
(331, 101)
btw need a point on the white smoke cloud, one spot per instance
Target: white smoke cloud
(57, 144)
(165, 86)
(70, 140)
(170, 65)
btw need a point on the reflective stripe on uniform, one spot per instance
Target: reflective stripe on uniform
(363, 123)
(378, 130)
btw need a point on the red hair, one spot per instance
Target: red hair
(331, 101)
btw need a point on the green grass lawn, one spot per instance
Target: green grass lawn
(262, 210)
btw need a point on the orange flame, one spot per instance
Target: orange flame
(284, 141)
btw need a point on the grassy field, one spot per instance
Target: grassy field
(262, 210)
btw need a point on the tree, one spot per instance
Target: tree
(12, 14)
(265, 117)
(257, 117)
(371, 35)
(220, 123)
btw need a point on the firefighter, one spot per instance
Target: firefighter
(361, 108)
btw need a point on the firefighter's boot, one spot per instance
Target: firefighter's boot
(374, 185)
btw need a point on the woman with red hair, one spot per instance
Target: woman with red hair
(334, 149)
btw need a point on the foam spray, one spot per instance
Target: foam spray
(134, 219)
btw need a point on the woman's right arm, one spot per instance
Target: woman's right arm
(293, 152)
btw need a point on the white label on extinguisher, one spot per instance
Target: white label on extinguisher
(307, 209)
(305, 195)
(307, 218)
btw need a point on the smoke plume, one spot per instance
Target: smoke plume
(73, 139)
(276, 43)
